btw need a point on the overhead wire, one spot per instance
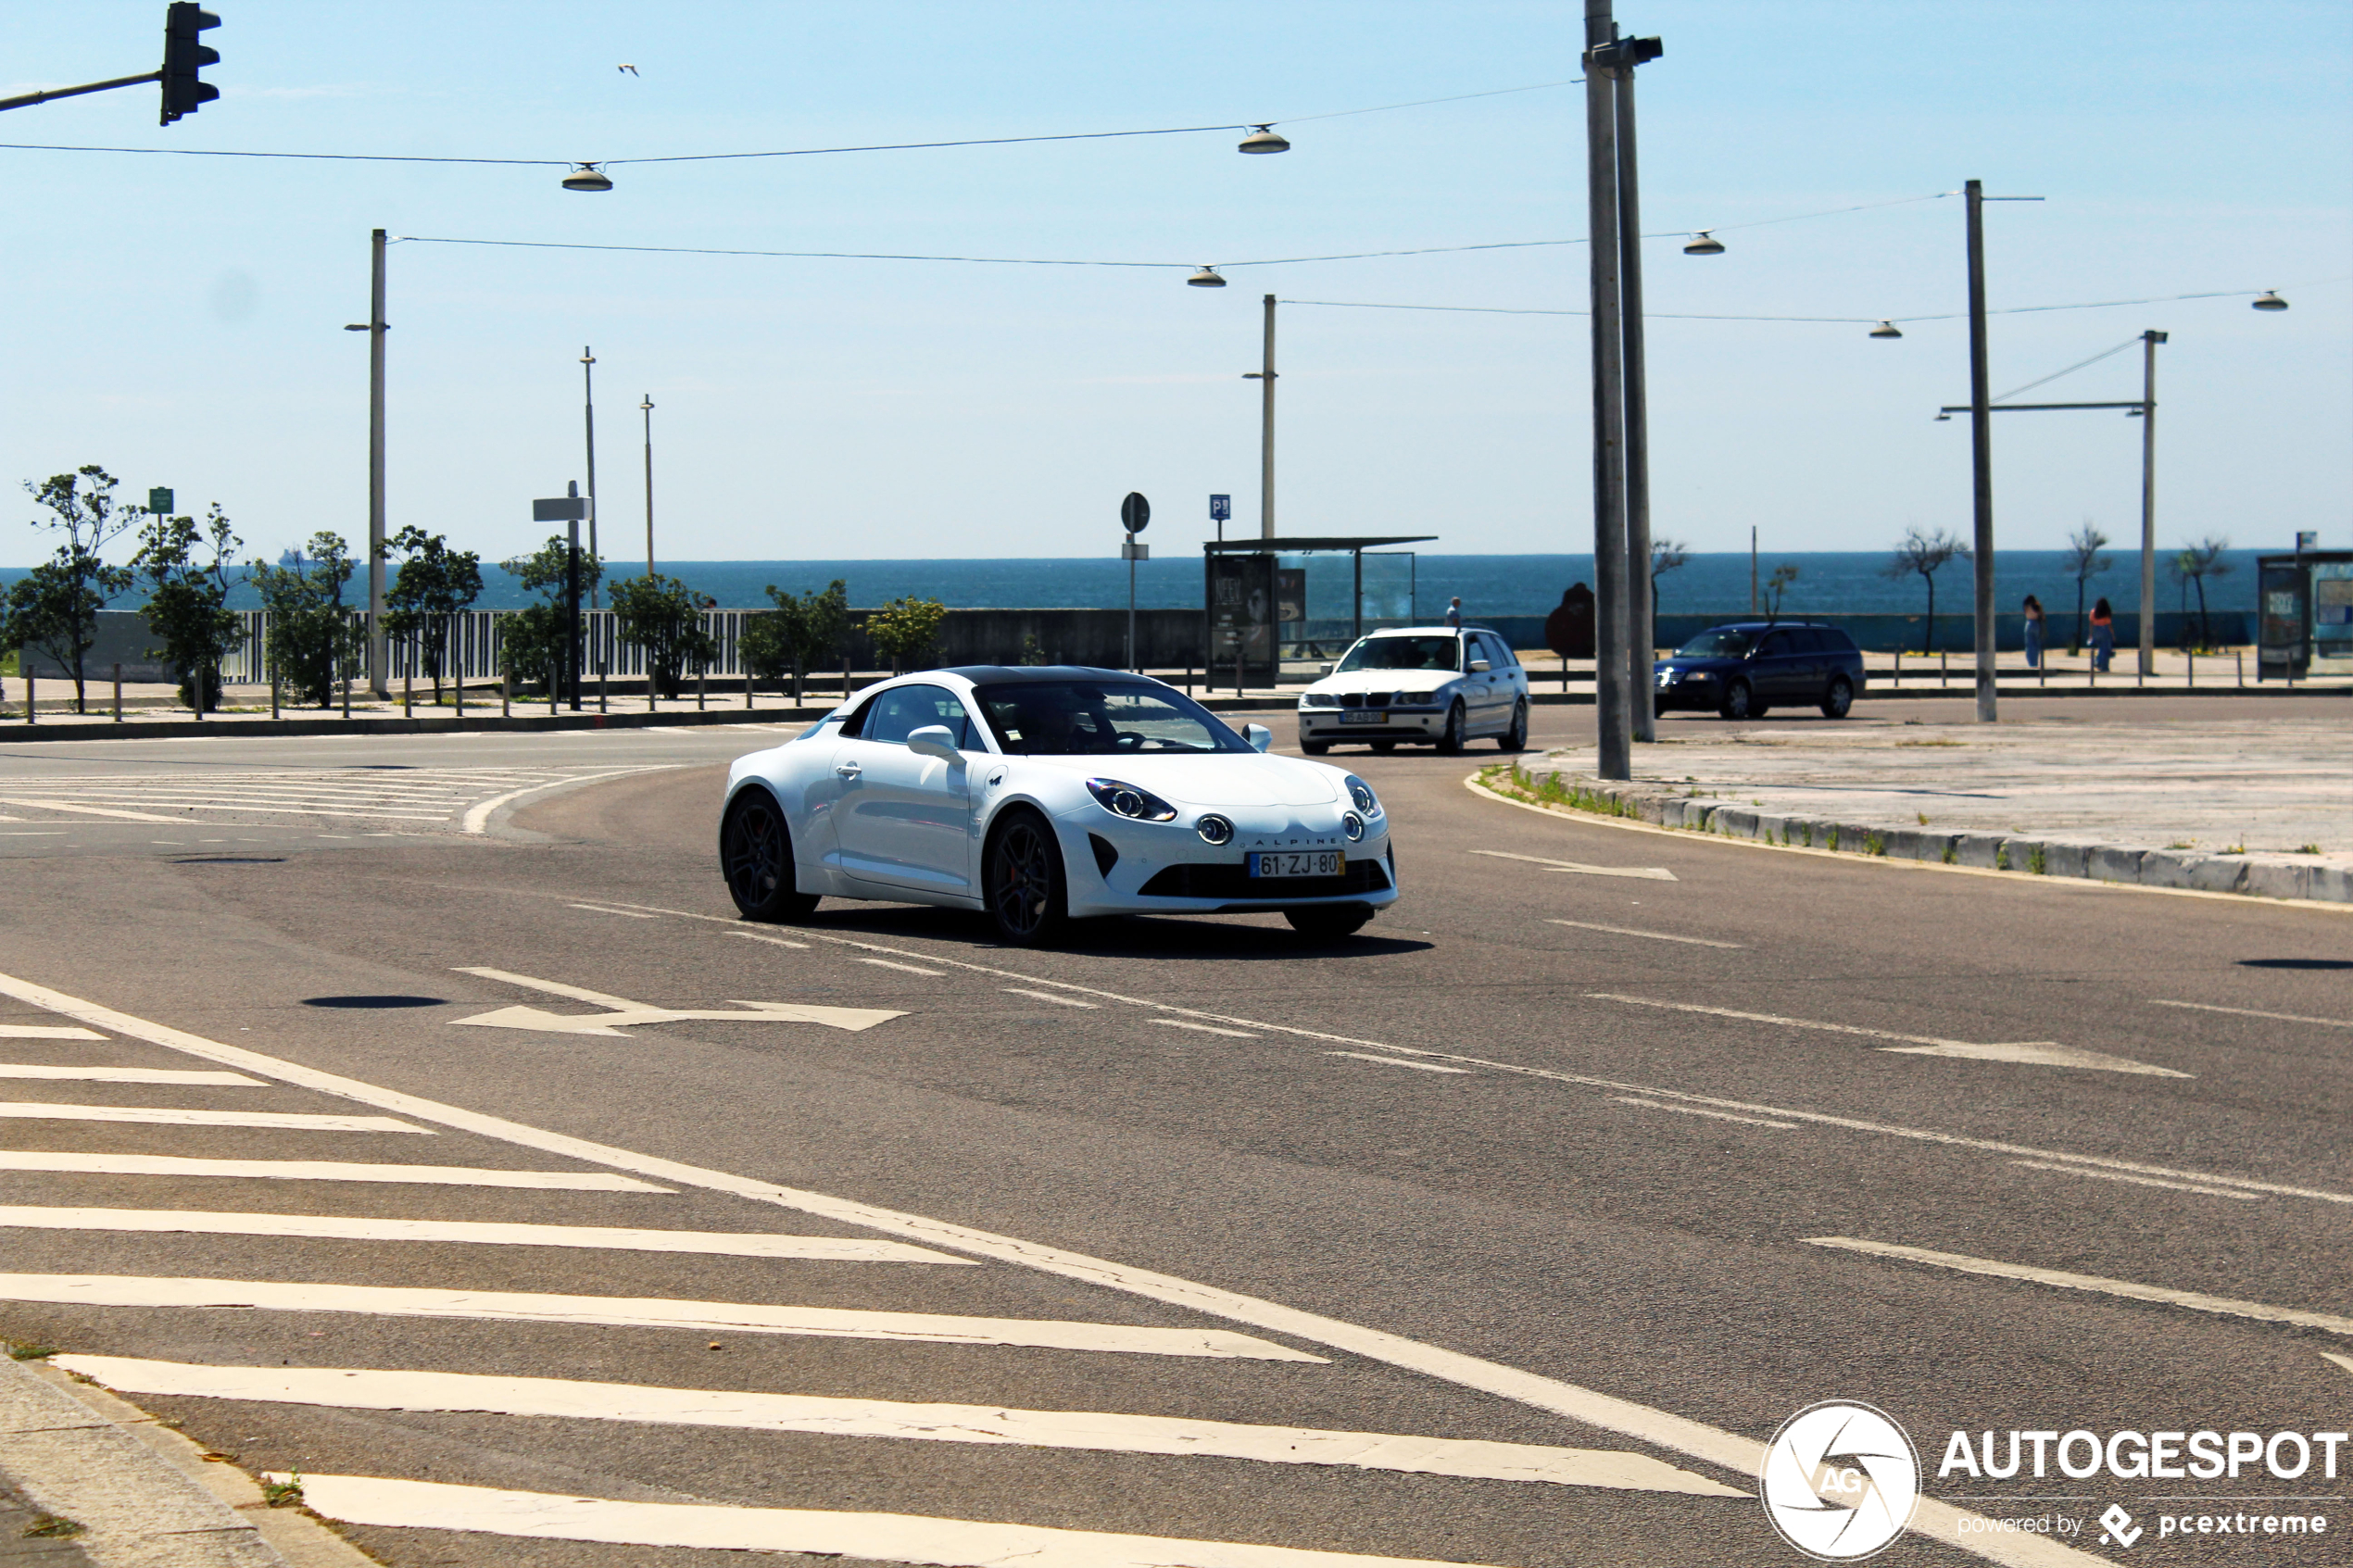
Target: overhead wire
(2079, 364)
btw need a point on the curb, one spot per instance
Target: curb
(2277, 877)
(143, 1495)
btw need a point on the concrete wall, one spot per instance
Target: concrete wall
(1954, 633)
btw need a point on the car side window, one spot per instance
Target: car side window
(1774, 646)
(900, 712)
(1805, 641)
(1499, 654)
(1836, 641)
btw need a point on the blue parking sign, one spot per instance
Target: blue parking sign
(1221, 507)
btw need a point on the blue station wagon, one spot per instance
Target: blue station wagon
(1743, 670)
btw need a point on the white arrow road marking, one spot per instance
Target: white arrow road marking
(2061, 1279)
(46, 1032)
(1103, 1432)
(320, 1171)
(2345, 1361)
(167, 1116)
(643, 1312)
(2039, 1053)
(1647, 873)
(130, 1074)
(2251, 1012)
(622, 1012)
(883, 1537)
(719, 1243)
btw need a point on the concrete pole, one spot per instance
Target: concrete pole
(1980, 417)
(1639, 638)
(1614, 732)
(1266, 430)
(588, 385)
(376, 648)
(2148, 501)
(648, 406)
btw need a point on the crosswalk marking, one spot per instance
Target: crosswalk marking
(643, 1312)
(463, 797)
(1104, 1432)
(722, 1244)
(130, 1075)
(172, 1116)
(885, 1538)
(87, 811)
(317, 1171)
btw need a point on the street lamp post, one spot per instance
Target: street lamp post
(1264, 376)
(1981, 454)
(374, 328)
(588, 394)
(648, 408)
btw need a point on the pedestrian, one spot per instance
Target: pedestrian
(1454, 612)
(2034, 633)
(2102, 636)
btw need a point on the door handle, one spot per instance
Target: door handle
(848, 771)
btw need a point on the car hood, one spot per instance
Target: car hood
(1420, 682)
(1224, 778)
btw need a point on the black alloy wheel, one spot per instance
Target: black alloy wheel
(1738, 703)
(1837, 698)
(1313, 747)
(1025, 892)
(755, 856)
(1328, 923)
(1514, 738)
(1451, 743)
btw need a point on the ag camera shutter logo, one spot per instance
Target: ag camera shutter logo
(1840, 1480)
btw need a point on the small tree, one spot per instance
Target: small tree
(1667, 554)
(789, 639)
(312, 637)
(187, 609)
(533, 640)
(54, 608)
(1775, 586)
(1924, 553)
(662, 616)
(2198, 562)
(2084, 563)
(434, 585)
(905, 629)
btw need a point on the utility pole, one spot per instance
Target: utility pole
(376, 646)
(647, 408)
(1980, 453)
(588, 385)
(2148, 500)
(1640, 640)
(1614, 759)
(1265, 378)
(571, 608)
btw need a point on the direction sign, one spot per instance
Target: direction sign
(160, 501)
(560, 508)
(1221, 508)
(1135, 511)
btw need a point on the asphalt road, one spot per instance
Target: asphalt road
(1544, 1161)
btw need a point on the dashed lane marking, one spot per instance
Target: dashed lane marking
(2137, 1181)
(2038, 1053)
(341, 1227)
(1200, 1028)
(2251, 1012)
(643, 1312)
(600, 909)
(772, 941)
(1654, 936)
(887, 1537)
(2060, 1277)
(317, 1171)
(172, 1116)
(1700, 1111)
(125, 1075)
(1047, 997)
(1646, 874)
(1099, 1431)
(1399, 1061)
(2345, 1361)
(903, 968)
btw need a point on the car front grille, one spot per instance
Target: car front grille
(1233, 881)
(1367, 699)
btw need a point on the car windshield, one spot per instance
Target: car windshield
(1093, 718)
(1403, 653)
(1721, 642)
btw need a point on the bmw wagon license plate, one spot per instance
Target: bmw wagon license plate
(1364, 715)
(1289, 862)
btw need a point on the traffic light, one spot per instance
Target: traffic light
(183, 56)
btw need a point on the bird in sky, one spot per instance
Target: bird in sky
(631, 69)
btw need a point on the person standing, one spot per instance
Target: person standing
(1454, 612)
(2102, 636)
(2034, 633)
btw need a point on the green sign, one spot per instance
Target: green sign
(160, 501)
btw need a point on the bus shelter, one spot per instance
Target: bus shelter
(2304, 614)
(1250, 598)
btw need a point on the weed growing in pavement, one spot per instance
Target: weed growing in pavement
(51, 1526)
(2034, 860)
(1925, 741)
(25, 1350)
(2182, 844)
(1874, 845)
(1952, 852)
(1833, 844)
(2002, 855)
(2233, 849)
(1922, 816)
(2308, 848)
(283, 1494)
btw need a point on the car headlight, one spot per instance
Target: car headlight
(1362, 794)
(1126, 800)
(1214, 829)
(1352, 825)
(1320, 699)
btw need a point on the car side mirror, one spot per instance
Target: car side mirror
(934, 740)
(1259, 737)
(1322, 670)
(1480, 666)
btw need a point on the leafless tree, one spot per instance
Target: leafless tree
(2083, 563)
(1924, 551)
(2198, 562)
(1665, 556)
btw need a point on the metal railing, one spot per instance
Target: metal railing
(477, 643)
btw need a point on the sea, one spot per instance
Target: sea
(1403, 585)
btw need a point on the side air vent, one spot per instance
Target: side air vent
(1106, 857)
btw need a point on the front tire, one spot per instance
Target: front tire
(1738, 702)
(1314, 748)
(1837, 698)
(1028, 898)
(755, 857)
(1328, 923)
(1515, 737)
(1451, 743)
(1384, 746)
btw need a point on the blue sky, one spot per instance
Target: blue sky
(178, 319)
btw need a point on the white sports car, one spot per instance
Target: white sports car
(1043, 794)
